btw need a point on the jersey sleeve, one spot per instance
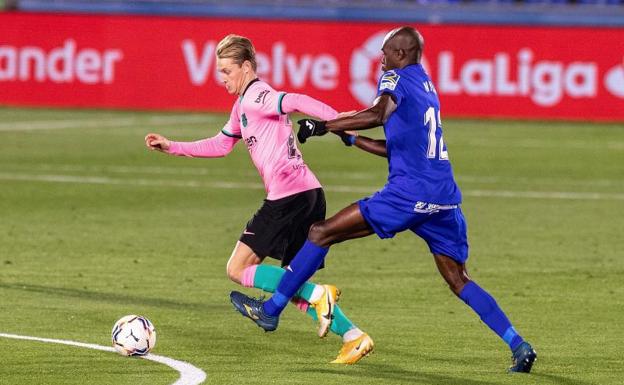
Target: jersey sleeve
(218, 146)
(389, 84)
(307, 105)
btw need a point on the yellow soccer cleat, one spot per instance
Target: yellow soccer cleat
(324, 307)
(353, 351)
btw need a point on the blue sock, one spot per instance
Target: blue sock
(491, 314)
(303, 266)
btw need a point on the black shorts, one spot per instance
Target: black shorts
(280, 227)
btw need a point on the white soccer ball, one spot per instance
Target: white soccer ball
(133, 335)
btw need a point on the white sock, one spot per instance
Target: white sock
(318, 291)
(352, 334)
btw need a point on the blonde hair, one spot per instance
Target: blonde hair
(238, 48)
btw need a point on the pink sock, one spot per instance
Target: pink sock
(301, 304)
(248, 276)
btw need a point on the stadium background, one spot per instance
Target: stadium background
(158, 55)
(94, 227)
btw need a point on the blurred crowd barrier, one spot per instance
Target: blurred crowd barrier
(525, 12)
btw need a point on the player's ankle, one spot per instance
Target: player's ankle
(352, 334)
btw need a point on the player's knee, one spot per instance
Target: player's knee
(235, 273)
(456, 286)
(318, 234)
(456, 282)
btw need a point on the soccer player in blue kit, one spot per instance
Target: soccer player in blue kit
(421, 194)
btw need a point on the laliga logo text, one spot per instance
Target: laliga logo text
(545, 82)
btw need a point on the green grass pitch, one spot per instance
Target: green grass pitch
(93, 226)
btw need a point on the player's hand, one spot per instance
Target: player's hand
(157, 142)
(310, 127)
(347, 137)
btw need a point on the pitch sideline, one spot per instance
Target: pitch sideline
(189, 374)
(104, 122)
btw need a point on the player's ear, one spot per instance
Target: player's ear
(247, 66)
(401, 54)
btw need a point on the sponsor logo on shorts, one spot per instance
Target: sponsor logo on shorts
(430, 208)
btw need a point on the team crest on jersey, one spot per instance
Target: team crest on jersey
(389, 81)
(244, 120)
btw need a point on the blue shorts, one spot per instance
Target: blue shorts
(442, 227)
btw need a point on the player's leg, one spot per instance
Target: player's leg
(244, 267)
(489, 311)
(445, 233)
(455, 275)
(347, 224)
(356, 344)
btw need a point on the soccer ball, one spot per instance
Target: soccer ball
(133, 335)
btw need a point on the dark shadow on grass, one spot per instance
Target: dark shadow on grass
(560, 380)
(115, 298)
(386, 372)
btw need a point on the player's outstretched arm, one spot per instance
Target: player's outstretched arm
(374, 116)
(218, 146)
(371, 117)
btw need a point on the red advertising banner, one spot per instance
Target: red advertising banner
(169, 63)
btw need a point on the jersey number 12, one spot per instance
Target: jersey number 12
(433, 123)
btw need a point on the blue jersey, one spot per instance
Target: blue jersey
(419, 168)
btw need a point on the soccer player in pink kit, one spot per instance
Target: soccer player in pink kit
(295, 198)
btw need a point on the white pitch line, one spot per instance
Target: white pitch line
(352, 175)
(546, 144)
(561, 195)
(189, 374)
(97, 122)
(544, 195)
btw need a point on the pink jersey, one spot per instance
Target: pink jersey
(259, 117)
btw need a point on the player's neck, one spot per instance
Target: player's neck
(251, 76)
